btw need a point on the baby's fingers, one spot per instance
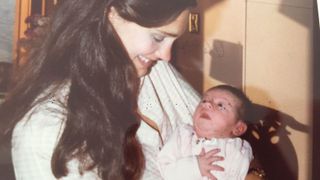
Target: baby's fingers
(214, 159)
(215, 167)
(212, 152)
(203, 152)
(210, 176)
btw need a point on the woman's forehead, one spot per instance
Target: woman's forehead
(177, 27)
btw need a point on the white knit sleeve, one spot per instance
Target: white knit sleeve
(169, 101)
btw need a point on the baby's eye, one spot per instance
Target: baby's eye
(204, 101)
(221, 106)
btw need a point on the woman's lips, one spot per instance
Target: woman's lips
(145, 62)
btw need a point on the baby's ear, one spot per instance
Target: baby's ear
(239, 128)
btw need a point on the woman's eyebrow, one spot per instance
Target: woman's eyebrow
(169, 34)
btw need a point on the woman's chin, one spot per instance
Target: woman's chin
(142, 73)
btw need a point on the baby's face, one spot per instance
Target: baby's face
(217, 114)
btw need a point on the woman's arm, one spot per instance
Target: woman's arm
(255, 171)
(256, 174)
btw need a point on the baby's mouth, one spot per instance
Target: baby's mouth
(205, 116)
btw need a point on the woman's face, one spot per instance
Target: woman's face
(146, 46)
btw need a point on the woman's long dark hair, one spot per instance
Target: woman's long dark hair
(82, 48)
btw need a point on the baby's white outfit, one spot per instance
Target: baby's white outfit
(178, 160)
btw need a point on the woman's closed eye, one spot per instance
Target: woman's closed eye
(158, 37)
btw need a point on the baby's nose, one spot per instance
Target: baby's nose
(208, 105)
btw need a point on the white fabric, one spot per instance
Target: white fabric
(169, 101)
(164, 98)
(35, 137)
(177, 159)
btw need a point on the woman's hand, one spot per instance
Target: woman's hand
(256, 174)
(206, 160)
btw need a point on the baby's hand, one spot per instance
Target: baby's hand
(206, 160)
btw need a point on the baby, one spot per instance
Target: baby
(218, 121)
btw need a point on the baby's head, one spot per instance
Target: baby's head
(222, 112)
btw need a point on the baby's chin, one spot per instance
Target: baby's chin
(202, 118)
(203, 132)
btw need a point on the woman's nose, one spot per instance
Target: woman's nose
(164, 52)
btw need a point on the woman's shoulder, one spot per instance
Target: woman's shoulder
(46, 113)
(43, 119)
(41, 126)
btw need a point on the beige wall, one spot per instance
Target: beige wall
(264, 47)
(279, 63)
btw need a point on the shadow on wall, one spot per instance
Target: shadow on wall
(288, 7)
(268, 133)
(272, 147)
(188, 50)
(188, 55)
(302, 12)
(226, 62)
(316, 95)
